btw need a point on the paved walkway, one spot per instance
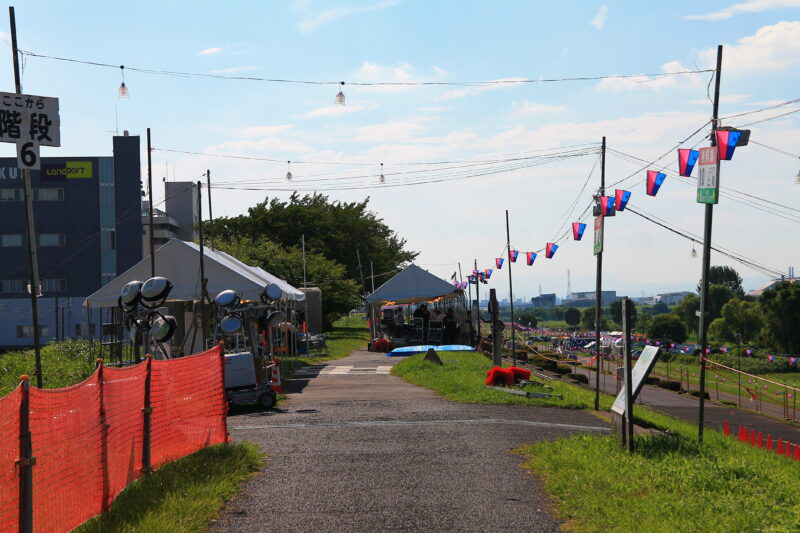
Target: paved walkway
(356, 449)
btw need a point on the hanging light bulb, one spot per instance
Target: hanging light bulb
(694, 252)
(383, 178)
(340, 96)
(289, 171)
(123, 90)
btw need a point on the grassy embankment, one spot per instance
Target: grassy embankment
(669, 484)
(63, 364)
(183, 496)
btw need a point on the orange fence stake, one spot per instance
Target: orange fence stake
(769, 442)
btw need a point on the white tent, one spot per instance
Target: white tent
(179, 262)
(413, 285)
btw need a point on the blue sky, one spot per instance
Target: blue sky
(445, 41)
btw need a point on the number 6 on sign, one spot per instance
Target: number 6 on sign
(28, 155)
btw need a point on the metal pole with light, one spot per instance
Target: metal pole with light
(511, 294)
(598, 293)
(150, 210)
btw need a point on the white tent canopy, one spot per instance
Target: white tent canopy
(179, 262)
(413, 285)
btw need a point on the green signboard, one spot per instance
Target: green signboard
(708, 176)
(598, 234)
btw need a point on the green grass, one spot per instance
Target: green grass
(63, 364)
(182, 496)
(670, 483)
(464, 382)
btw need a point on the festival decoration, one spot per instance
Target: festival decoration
(686, 160)
(621, 198)
(498, 261)
(748, 353)
(530, 257)
(577, 230)
(607, 206)
(726, 143)
(550, 250)
(770, 358)
(512, 255)
(654, 181)
(488, 273)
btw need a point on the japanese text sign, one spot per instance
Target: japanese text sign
(29, 118)
(707, 177)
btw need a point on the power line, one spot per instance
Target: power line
(641, 78)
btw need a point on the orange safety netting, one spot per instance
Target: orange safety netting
(88, 439)
(9, 453)
(189, 405)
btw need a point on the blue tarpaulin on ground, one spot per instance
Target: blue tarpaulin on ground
(411, 350)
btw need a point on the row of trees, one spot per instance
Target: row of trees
(336, 233)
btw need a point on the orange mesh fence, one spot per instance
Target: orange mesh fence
(88, 439)
(123, 398)
(9, 453)
(189, 405)
(66, 437)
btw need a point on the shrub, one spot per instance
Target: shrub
(670, 385)
(562, 369)
(580, 378)
(696, 394)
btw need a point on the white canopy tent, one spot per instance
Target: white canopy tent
(179, 262)
(413, 285)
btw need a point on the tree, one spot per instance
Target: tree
(339, 295)
(718, 296)
(659, 309)
(527, 316)
(780, 307)
(337, 230)
(615, 310)
(742, 318)
(667, 327)
(572, 316)
(727, 276)
(587, 319)
(687, 309)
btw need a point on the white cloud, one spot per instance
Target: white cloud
(260, 131)
(753, 6)
(724, 99)
(310, 25)
(533, 107)
(233, 70)
(502, 83)
(390, 131)
(565, 52)
(599, 20)
(209, 51)
(774, 47)
(335, 110)
(370, 72)
(653, 82)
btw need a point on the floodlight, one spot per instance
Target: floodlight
(230, 324)
(272, 292)
(155, 290)
(163, 328)
(227, 299)
(131, 294)
(275, 318)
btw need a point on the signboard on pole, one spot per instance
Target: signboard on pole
(598, 234)
(29, 121)
(640, 371)
(707, 175)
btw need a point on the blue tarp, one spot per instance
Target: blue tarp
(411, 350)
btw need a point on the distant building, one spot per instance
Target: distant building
(586, 299)
(756, 294)
(671, 298)
(177, 221)
(544, 301)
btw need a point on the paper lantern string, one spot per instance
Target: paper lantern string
(498, 261)
(530, 257)
(654, 181)
(577, 230)
(607, 206)
(550, 250)
(621, 198)
(726, 143)
(512, 255)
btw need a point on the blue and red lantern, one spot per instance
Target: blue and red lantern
(748, 353)
(530, 257)
(577, 230)
(498, 262)
(621, 198)
(726, 143)
(654, 181)
(770, 358)
(512, 255)
(550, 250)
(607, 206)
(488, 273)
(686, 160)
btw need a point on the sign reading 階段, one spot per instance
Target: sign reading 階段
(29, 121)
(707, 178)
(640, 371)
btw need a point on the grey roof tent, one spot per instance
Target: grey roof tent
(413, 285)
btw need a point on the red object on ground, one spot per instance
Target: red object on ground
(769, 442)
(760, 439)
(779, 451)
(520, 373)
(752, 437)
(726, 429)
(788, 450)
(499, 376)
(739, 435)
(275, 377)
(797, 452)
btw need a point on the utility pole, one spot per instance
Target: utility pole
(703, 312)
(478, 300)
(305, 286)
(372, 276)
(511, 295)
(203, 280)
(598, 291)
(210, 216)
(497, 341)
(361, 273)
(150, 195)
(33, 264)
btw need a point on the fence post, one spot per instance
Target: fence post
(147, 411)
(221, 348)
(103, 432)
(26, 460)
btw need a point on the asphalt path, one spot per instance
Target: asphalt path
(361, 451)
